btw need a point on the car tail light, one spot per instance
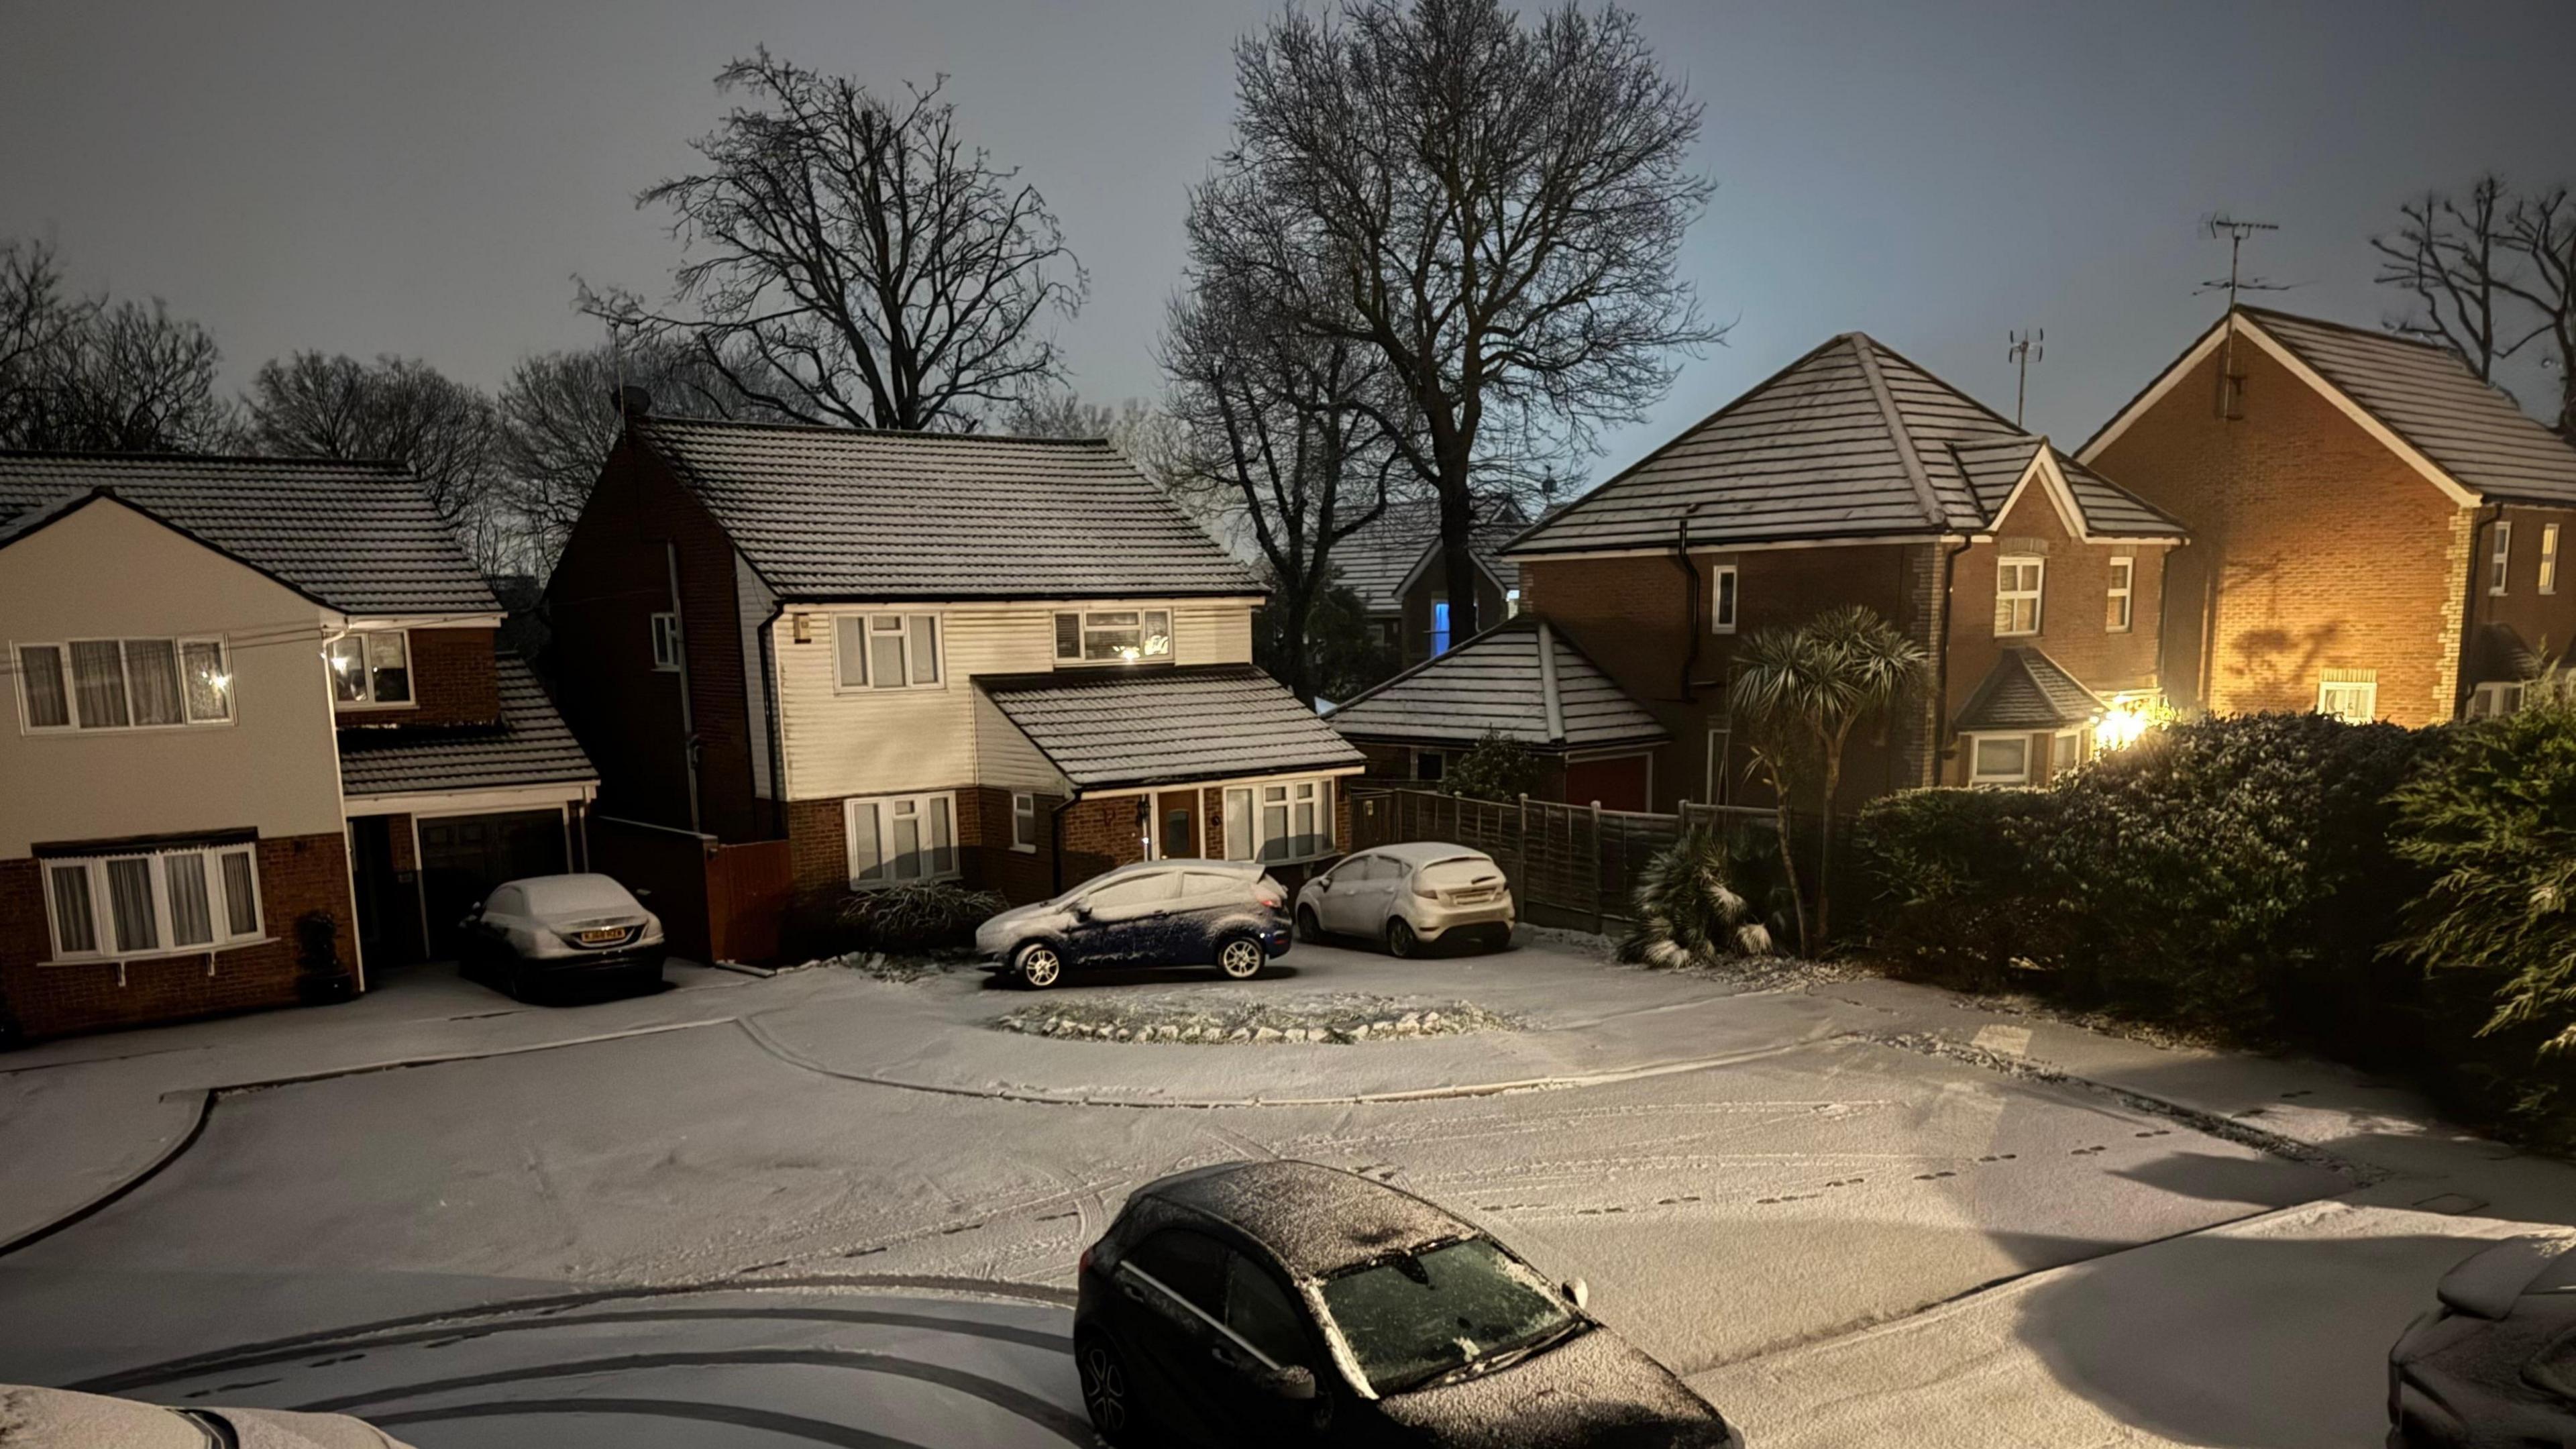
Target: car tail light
(1423, 889)
(1270, 893)
(1083, 1263)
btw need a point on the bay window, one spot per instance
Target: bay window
(372, 667)
(1113, 636)
(1999, 760)
(117, 684)
(179, 899)
(896, 838)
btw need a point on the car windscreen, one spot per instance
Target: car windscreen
(558, 896)
(1417, 1316)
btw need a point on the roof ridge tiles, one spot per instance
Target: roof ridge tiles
(907, 434)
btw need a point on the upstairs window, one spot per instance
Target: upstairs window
(1440, 626)
(2017, 587)
(1113, 636)
(2549, 558)
(885, 651)
(117, 684)
(2116, 612)
(371, 668)
(666, 641)
(190, 898)
(1721, 599)
(2500, 562)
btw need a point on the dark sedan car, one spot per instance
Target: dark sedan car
(1285, 1303)
(1223, 913)
(2492, 1365)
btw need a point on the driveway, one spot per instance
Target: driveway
(1857, 1212)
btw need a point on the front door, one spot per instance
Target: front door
(1176, 825)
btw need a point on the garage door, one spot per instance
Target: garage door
(463, 856)
(1619, 783)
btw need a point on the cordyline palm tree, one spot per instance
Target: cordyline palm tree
(1799, 693)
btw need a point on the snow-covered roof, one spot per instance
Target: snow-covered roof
(1159, 725)
(529, 746)
(1313, 1218)
(1522, 680)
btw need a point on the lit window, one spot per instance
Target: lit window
(1024, 821)
(2355, 701)
(2549, 558)
(2017, 586)
(1721, 598)
(1113, 636)
(1440, 626)
(2500, 562)
(901, 838)
(885, 651)
(2116, 616)
(190, 898)
(373, 667)
(115, 684)
(2495, 700)
(2000, 760)
(666, 641)
(1511, 603)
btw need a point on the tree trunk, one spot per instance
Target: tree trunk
(1825, 844)
(1292, 639)
(1457, 556)
(1788, 857)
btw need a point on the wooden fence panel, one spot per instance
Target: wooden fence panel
(748, 890)
(717, 902)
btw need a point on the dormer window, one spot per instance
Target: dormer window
(371, 668)
(1113, 636)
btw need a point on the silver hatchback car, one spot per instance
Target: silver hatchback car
(1409, 896)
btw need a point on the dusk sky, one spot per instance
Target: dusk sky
(427, 179)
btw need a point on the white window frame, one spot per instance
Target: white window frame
(1725, 597)
(367, 698)
(666, 642)
(2078, 752)
(2500, 559)
(2549, 558)
(2009, 600)
(1978, 774)
(2364, 694)
(2120, 597)
(73, 724)
(869, 625)
(1084, 628)
(1247, 810)
(1024, 822)
(922, 807)
(102, 922)
(2496, 698)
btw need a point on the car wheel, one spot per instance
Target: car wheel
(1309, 929)
(1400, 940)
(1038, 966)
(1108, 1394)
(1240, 958)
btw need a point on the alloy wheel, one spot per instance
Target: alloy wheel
(1240, 958)
(1104, 1390)
(1039, 967)
(1400, 939)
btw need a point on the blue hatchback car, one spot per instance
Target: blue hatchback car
(1228, 914)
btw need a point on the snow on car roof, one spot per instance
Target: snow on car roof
(1418, 852)
(1315, 1219)
(576, 893)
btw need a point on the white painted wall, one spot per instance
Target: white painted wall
(108, 572)
(887, 741)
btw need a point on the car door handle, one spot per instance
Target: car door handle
(1134, 1293)
(1228, 1357)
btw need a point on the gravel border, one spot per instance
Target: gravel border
(1341, 1020)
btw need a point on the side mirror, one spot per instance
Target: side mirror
(1081, 910)
(1577, 1292)
(1295, 1383)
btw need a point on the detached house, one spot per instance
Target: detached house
(1009, 662)
(258, 729)
(2376, 533)
(1851, 476)
(1394, 567)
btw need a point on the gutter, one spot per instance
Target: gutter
(2479, 518)
(1941, 659)
(1690, 624)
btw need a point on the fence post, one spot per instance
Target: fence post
(1600, 899)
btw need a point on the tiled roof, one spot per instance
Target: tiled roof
(1990, 469)
(1374, 562)
(530, 746)
(1494, 683)
(1111, 727)
(2027, 690)
(1850, 441)
(360, 537)
(2427, 395)
(839, 513)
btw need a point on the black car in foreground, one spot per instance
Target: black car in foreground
(2492, 1365)
(1286, 1303)
(1228, 914)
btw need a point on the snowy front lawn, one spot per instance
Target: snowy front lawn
(1204, 1019)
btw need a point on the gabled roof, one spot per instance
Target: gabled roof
(1380, 561)
(2420, 399)
(842, 514)
(530, 746)
(1852, 441)
(1113, 727)
(1522, 680)
(359, 537)
(2027, 690)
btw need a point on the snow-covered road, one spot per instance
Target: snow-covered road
(1734, 1219)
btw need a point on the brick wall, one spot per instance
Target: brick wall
(453, 681)
(2313, 547)
(2533, 616)
(296, 875)
(1415, 612)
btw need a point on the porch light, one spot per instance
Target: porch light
(2128, 717)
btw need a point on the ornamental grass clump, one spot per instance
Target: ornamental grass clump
(1689, 909)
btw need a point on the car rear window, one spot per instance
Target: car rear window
(1204, 884)
(1460, 870)
(1135, 890)
(1417, 1316)
(576, 895)
(1190, 1264)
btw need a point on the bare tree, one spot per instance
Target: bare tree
(396, 409)
(2450, 254)
(34, 318)
(2542, 229)
(1279, 435)
(88, 374)
(1494, 212)
(878, 271)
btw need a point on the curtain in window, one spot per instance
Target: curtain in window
(152, 680)
(867, 852)
(1238, 825)
(98, 682)
(943, 844)
(40, 675)
(885, 652)
(850, 651)
(75, 927)
(241, 899)
(1274, 822)
(129, 904)
(925, 650)
(388, 667)
(348, 656)
(210, 689)
(192, 915)
(905, 840)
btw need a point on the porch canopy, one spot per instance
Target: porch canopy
(1123, 728)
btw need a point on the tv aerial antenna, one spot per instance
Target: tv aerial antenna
(2231, 383)
(2024, 349)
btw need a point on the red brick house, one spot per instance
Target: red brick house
(246, 693)
(2375, 533)
(1854, 476)
(1009, 662)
